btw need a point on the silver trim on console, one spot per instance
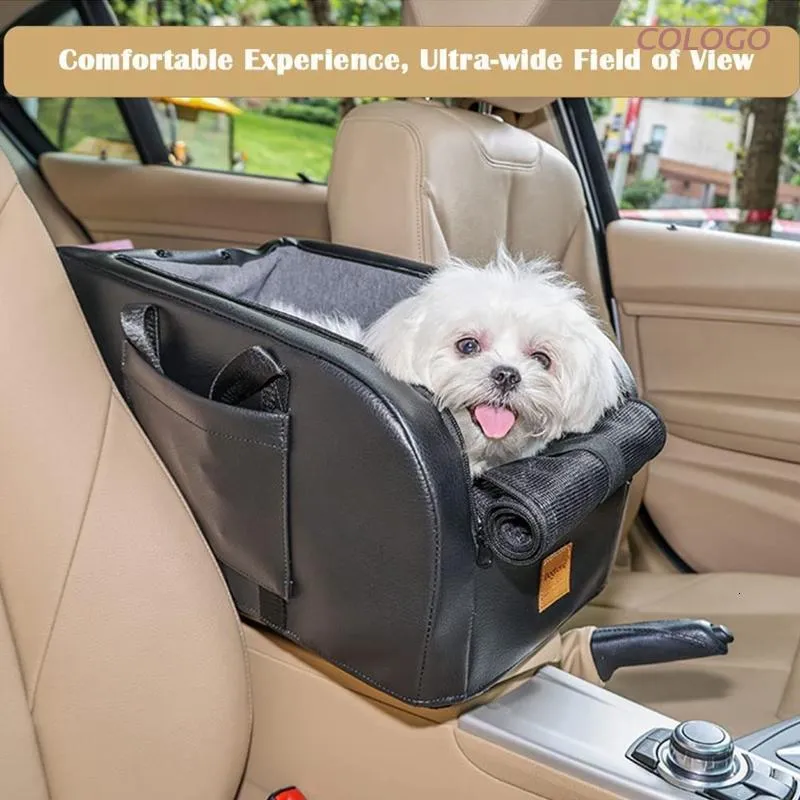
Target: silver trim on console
(577, 728)
(588, 733)
(667, 771)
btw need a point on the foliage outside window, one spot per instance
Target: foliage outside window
(285, 138)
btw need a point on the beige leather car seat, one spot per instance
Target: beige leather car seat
(60, 225)
(419, 180)
(122, 668)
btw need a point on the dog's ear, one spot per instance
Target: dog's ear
(625, 378)
(597, 381)
(391, 339)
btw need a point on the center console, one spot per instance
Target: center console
(701, 757)
(599, 738)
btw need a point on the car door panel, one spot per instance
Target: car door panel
(710, 322)
(183, 208)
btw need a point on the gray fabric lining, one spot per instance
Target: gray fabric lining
(308, 281)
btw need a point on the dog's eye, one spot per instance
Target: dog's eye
(468, 346)
(542, 358)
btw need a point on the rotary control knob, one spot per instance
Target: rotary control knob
(701, 751)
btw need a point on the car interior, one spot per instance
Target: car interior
(125, 670)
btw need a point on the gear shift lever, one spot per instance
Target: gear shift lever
(656, 642)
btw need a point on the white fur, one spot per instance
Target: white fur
(512, 308)
(346, 327)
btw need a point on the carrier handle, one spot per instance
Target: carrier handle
(254, 371)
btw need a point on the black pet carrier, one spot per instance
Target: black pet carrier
(337, 500)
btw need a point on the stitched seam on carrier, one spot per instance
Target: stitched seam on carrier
(279, 447)
(127, 380)
(287, 566)
(435, 525)
(453, 698)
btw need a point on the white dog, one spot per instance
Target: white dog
(510, 349)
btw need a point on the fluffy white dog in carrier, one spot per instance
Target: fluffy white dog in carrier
(511, 349)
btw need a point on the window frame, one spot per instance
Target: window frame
(136, 113)
(574, 120)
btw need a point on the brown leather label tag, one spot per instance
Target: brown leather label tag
(554, 580)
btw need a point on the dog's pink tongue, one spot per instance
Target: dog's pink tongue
(495, 421)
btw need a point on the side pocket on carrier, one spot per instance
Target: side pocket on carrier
(230, 461)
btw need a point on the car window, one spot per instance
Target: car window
(284, 138)
(683, 160)
(85, 125)
(680, 160)
(91, 126)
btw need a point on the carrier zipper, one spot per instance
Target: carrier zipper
(483, 554)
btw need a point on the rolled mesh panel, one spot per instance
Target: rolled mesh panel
(527, 508)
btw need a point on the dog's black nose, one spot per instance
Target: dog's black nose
(505, 377)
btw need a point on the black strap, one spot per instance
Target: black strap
(253, 601)
(254, 371)
(600, 447)
(251, 372)
(141, 327)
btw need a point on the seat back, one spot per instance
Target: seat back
(59, 224)
(420, 180)
(122, 671)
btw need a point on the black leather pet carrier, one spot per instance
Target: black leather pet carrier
(338, 500)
